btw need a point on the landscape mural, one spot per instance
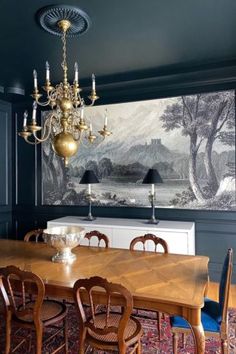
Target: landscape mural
(190, 140)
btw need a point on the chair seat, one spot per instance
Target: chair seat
(132, 330)
(210, 317)
(51, 309)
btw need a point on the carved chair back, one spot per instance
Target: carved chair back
(15, 286)
(34, 235)
(149, 237)
(84, 289)
(100, 237)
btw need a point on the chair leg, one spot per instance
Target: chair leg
(65, 330)
(8, 334)
(224, 346)
(82, 335)
(183, 340)
(175, 343)
(39, 340)
(30, 341)
(139, 348)
(159, 317)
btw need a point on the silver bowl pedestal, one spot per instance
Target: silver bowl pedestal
(64, 239)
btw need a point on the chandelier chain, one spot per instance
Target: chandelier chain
(64, 61)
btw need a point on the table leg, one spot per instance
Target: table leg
(198, 332)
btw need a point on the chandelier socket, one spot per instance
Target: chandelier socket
(36, 96)
(82, 126)
(104, 132)
(91, 138)
(24, 134)
(93, 97)
(34, 128)
(48, 87)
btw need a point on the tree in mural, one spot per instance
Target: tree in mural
(105, 167)
(219, 111)
(55, 175)
(202, 118)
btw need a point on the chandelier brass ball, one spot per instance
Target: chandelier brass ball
(64, 145)
(65, 104)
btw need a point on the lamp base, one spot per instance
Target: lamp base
(153, 221)
(90, 218)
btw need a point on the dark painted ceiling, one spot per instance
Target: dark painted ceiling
(126, 36)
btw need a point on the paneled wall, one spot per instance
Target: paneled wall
(5, 169)
(215, 231)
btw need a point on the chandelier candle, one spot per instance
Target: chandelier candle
(47, 72)
(64, 124)
(34, 113)
(25, 119)
(35, 80)
(105, 119)
(76, 73)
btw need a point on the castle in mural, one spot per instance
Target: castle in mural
(190, 140)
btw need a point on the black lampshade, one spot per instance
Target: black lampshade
(152, 177)
(89, 177)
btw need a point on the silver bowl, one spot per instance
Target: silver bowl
(64, 239)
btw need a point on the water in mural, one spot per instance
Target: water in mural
(190, 140)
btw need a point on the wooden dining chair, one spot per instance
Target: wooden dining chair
(34, 235)
(156, 241)
(100, 237)
(214, 315)
(104, 329)
(35, 314)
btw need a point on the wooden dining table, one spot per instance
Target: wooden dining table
(170, 283)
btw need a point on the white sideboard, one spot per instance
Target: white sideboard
(180, 235)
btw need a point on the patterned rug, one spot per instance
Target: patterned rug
(150, 343)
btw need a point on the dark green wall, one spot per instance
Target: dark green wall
(5, 169)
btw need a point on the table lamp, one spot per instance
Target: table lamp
(152, 177)
(89, 178)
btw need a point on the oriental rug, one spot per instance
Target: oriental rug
(150, 342)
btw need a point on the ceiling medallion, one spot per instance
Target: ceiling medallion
(65, 124)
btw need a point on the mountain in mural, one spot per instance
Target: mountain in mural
(151, 153)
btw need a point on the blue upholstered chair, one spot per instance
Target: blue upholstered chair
(214, 314)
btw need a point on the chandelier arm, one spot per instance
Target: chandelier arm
(84, 145)
(32, 142)
(41, 140)
(47, 127)
(43, 104)
(90, 104)
(79, 139)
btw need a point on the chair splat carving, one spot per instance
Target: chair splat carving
(104, 329)
(34, 235)
(25, 307)
(149, 237)
(100, 237)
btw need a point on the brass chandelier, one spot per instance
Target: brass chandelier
(65, 124)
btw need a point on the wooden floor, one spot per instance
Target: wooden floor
(214, 290)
